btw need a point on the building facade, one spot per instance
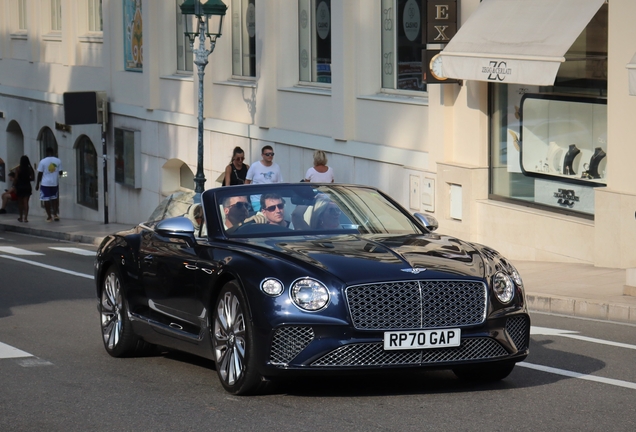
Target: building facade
(489, 156)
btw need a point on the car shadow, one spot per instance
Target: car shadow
(404, 382)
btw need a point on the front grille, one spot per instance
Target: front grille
(288, 342)
(517, 328)
(417, 304)
(373, 354)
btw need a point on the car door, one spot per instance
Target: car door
(169, 271)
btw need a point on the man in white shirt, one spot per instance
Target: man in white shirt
(265, 170)
(49, 170)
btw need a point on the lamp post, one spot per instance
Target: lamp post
(209, 20)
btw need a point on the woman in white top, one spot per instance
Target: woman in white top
(320, 172)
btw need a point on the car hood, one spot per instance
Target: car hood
(362, 258)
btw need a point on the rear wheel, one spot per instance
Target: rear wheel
(233, 342)
(485, 372)
(117, 333)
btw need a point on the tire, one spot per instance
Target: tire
(485, 372)
(233, 342)
(117, 333)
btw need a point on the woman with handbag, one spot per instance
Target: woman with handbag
(24, 175)
(236, 171)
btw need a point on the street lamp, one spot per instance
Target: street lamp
(209, 19)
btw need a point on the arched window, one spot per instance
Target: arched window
(86, 173)
(47, 139)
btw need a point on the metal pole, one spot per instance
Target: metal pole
(201, 60)
(105, 156)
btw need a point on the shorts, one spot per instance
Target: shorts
(48, 193)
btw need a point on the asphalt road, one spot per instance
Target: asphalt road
(580, 374)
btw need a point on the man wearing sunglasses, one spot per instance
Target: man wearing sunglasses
(265, 170)
(273, 207)
(237, 210)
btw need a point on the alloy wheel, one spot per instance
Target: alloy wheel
(111, 311)
(229, 338)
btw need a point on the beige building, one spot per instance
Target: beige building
(529, 152)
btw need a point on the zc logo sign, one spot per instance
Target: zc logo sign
(566, 197)
(496, 71)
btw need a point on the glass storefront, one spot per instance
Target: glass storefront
(548, 144)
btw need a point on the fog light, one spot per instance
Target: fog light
(272, 287)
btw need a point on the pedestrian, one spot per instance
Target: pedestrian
(320, 172)
(49, 172)
(236, 171)
(265, 170)
(9, 194)
(24, 175)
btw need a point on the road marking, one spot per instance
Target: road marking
(37, 264)
(75, 250)
(7, 351)
(587, 377)
(574, 335)
(17, 251)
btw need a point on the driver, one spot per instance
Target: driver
(237, 210)
(273, 207)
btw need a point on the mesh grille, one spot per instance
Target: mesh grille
(417, 304)
(373, 354)
(517, 328)
(288, 342)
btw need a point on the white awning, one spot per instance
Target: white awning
(631, 71)
(517, 41)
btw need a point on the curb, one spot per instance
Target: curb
(582, 308)
(77, 238)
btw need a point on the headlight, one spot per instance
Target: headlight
(516, 276)
(309, 294)
(272, 287)
(503, 287)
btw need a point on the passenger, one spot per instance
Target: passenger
(195, 214)
(325, 215)
(273, 207)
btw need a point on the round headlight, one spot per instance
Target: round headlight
(272, 287)
(309, 294)
(516, 277)
(503, 287)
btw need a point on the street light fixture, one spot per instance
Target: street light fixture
(209, 20)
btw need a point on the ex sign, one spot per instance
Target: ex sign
(442, 21)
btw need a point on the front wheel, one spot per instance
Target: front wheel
(117, 333)
(233, 342)
(485, 372)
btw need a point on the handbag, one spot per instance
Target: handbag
(221, 179)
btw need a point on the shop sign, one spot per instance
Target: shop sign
(496, 70)
(564, 195)
(441, 21)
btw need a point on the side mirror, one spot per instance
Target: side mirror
(428, 221)
(180, 227)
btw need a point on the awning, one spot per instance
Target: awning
(631, 71)
(517, 41)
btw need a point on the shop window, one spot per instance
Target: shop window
(86, 173)
(403, 44)
(548, 144)
(46, 140)
(127, 158)
(184, 49)
(244, 38)
(314, 34)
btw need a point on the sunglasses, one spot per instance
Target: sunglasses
(239, 159)
(240, 205)
(268, 154)
(272, 208)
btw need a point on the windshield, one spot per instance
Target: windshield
(304, 209)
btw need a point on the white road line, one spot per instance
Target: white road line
(7, 351)
(37, 264)
(17, 251)
(574, 335)
(75, 250)
(587, 377)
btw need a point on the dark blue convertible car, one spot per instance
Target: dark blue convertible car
(275, 280)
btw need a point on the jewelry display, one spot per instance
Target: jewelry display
(555, 154)
(573, 152)
(595, 160)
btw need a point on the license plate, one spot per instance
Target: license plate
(422, 339)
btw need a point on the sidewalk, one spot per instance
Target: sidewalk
(580, 290)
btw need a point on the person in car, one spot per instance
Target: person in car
(273, 207)
(325, 214)
(237, 212)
